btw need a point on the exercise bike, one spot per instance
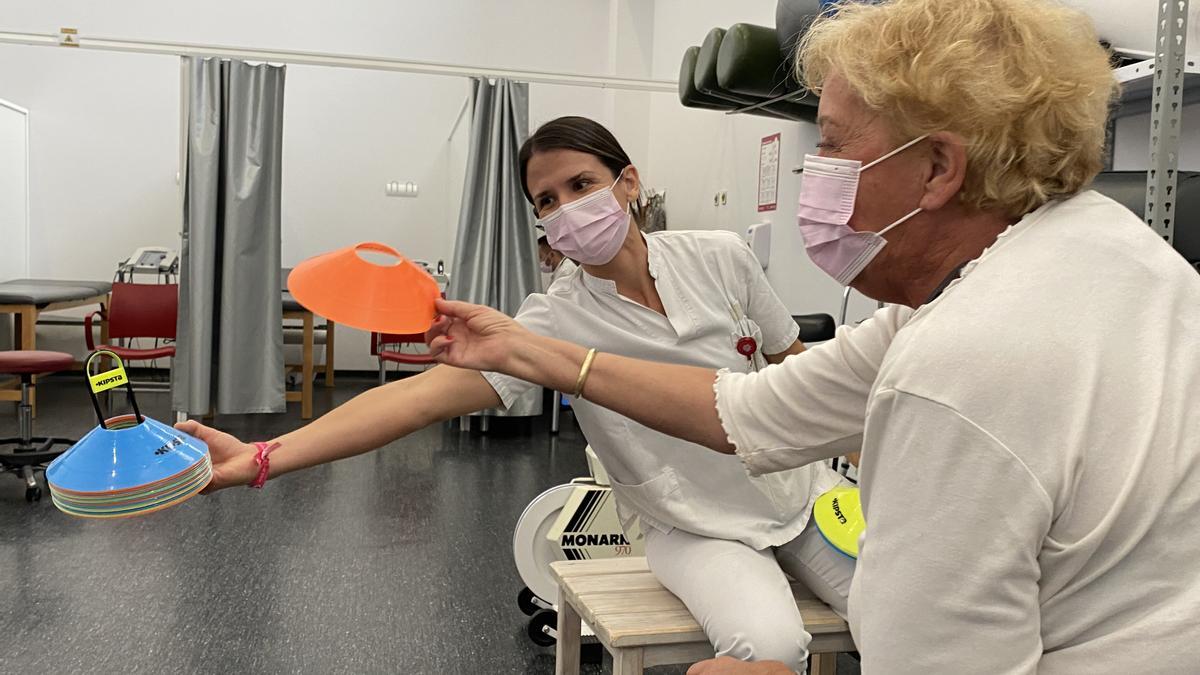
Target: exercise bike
(575, 521)
(578, 521)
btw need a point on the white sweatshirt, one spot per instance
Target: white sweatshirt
(1031, 455)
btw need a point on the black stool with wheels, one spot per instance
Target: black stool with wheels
(26, 453)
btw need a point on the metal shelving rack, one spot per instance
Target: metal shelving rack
(1162, 86)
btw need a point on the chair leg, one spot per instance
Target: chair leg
(25, 413)
(823, 664)
(556, 404)
(27, 476)
(382, 373)
(329, 352)
(307, 369)
(26, 326)
(566, 651)
(628, 661)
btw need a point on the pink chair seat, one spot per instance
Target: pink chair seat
(33, 362)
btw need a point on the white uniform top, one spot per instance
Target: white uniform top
(1031, 455)
(566, 267)
(703, 279)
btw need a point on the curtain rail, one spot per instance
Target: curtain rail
(336, 61)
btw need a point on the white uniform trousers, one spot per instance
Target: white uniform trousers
(740, 596)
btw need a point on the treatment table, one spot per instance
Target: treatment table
(26, 299)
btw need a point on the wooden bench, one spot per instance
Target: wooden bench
(642, 624)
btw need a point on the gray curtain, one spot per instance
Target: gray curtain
(495, 255)
(229, 353)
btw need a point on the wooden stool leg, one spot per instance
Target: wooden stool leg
(328, 353)
(306, 386)
(566, 653)
(823, 664)
(629, 661)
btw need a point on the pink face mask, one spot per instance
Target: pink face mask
(589, 230)
(827, 195)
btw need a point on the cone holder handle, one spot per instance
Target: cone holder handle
(109, 379)
(378, 247)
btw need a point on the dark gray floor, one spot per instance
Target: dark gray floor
(399, 561)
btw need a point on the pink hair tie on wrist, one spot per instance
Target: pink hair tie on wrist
(264, 464)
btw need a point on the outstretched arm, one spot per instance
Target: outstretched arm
(471, 336)
(809, 408)
(368, 421)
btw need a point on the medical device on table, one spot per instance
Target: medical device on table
(156, 260)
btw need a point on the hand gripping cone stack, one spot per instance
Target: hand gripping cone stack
(129, 465)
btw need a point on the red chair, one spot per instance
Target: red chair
(139, 311)
(379, 347)
(25, 453)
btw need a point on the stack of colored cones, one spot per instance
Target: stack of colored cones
(128, 465)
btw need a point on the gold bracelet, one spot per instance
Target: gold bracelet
(584, 372)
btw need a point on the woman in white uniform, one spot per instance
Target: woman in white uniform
(553, 264)
(717, 538)
(1030, 442)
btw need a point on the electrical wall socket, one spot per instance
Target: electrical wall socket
(398, 189)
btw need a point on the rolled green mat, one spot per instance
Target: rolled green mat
(691, 97)
(706, 71)
(708, 82)
(749, 64)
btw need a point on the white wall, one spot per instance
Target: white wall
(1132, 150)
(105, 130)
(1127, 24)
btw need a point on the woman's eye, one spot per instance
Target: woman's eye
(581, 185)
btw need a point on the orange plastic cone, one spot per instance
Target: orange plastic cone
(343, 287)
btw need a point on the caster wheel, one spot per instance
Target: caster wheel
(530, 603)
(33, 494)
(547, 619)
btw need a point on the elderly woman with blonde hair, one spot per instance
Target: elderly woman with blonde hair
(1025, 408)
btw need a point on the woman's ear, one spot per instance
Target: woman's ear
(632, 182)
(948, 170)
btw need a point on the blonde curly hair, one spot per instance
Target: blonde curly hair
(1026, 83)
